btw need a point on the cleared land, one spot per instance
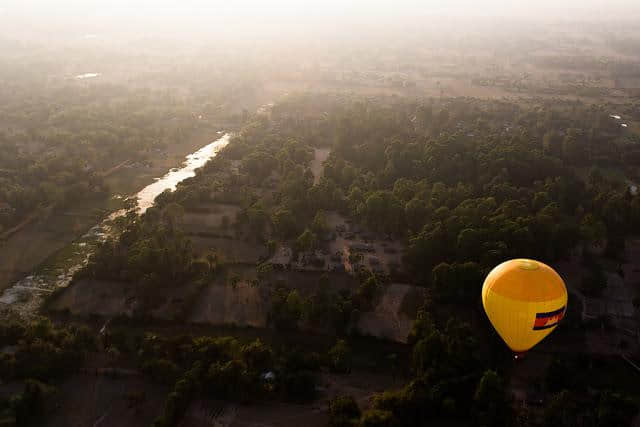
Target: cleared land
(387, 320)
(105, 400)
(362, 386)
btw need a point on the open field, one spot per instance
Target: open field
(221, 303)
(362, 386)
(97, 297)
(387, 320)
(88, 399)
(33, 244)
(229, 249)
(242, 305)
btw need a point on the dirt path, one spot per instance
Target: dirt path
(114, 169)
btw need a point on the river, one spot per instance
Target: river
(174, 176)
(87, 76)
(25, 296)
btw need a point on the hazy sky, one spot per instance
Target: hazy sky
(290, 19)
(297, 8)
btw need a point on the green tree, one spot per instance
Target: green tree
(319, 225)
(561, 411)
(257, 356)
(343, 412)
(307, 241)
(383, 212)
(428, 352)
(615, 409)
(284, 223)
(490, 405)
(376, 418)
(416, 213)
(340, 357)
(595, 281)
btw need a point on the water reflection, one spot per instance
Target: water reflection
(87, 76)
(171, 179)
(25, 296)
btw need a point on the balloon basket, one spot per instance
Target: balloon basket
(519, 356)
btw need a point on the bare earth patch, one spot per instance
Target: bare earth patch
(98, 400)
(362, 386)
(244, 305)
(230, 250)
(211, 216)
(104, 298)
(388, 320)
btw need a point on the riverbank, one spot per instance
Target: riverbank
(39, 240)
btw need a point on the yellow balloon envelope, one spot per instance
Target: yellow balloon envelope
(524, 300)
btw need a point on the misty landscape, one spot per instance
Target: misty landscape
(344, 214)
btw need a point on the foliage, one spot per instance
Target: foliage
(64, 139)
(340, 357)
(343, 412)
(151, 251)
(43, 351)
(490, 405)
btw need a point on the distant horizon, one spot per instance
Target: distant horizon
(329, 9)
(285, 19)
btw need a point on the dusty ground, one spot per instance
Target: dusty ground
(112, 298)
(210, 229)
(104, 298)
(100, 401)
(24, 250)
(242, 305)
(362, 386)
(221, 303)
(387, 319)
(230, 250)
(308, 282)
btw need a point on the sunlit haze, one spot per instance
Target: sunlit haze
(326, 213)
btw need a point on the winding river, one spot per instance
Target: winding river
(26, 295)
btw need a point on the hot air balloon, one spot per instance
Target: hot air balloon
(524, 300)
